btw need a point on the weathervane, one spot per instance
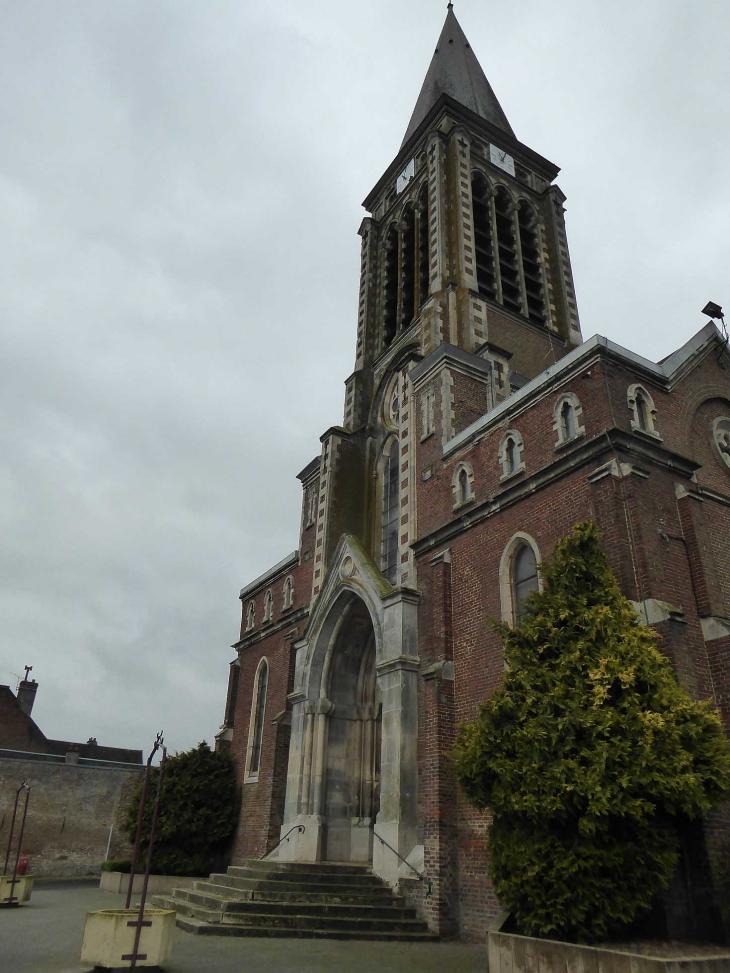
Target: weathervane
(28, 669)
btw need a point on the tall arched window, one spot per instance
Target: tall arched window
(288, 593)
(483, 242)
(250, 615)
(391, 512)
(510, 454)
(524, 579)
(390, 286)
(256, 726)
(529, 243)
(408, 268)
(518, 575)
(268, 606)
(423, 246)
(508, 270)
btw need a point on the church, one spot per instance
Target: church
(478, 428)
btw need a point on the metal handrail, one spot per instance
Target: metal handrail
(297, 827)
(421, 877)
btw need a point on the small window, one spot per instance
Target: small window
(462, 484)
(268, 606)
(524, 579)
(391, 512)
(311, 505)
(288, 593)
(256, 729)
(643, 411)
(566, 415)
(510, 454)
(250, 615)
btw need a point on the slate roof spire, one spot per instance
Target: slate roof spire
(455, 71)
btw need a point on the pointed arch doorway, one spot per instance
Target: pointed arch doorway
(352, 783)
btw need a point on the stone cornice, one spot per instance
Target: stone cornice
(584, 452)
(288, 619)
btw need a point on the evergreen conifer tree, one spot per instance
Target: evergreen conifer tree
(199, 807)
(587, 755)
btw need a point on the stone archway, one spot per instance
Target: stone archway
(352, 780)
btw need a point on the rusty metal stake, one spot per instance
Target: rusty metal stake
(14, 881)
(140, 921)
(142, 803)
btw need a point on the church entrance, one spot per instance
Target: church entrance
(352, 784)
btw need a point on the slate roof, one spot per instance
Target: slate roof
(455, 71)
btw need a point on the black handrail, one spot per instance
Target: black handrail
(297, 827)
(421, 877)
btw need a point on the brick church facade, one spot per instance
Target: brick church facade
(478, 427)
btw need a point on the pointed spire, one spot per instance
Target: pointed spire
(455, 71)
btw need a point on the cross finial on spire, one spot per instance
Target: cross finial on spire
(450, 5)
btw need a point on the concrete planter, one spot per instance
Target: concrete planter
(109, 939)
(21, 891)
(509, 953)
(158, 884)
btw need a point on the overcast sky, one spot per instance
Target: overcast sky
(180, 189)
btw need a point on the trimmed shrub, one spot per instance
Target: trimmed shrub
(587, 755)
(199, 808)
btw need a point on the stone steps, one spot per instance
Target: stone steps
(202, 928)
(329, 900)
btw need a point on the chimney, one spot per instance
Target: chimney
(26, 695)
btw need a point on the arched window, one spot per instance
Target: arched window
(643, 411)
(390, 286)
(524, 579)
(250, 615)
(508, 270)
(529, 244)
(288, 593)
(391, 512)
(256, 725)
(423, 246)
(268, 606)
(518, 576)
(408, 267)
(483, 242)
(510, 454)
(566, 418)
(462, 484)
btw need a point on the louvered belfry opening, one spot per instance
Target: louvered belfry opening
(423, 247)
(508, 269)
(483, 243)
(408, 267)
(390, 286)
(530, 263)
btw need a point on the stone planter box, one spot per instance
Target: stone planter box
(21, 891)
(109, 939)
(509, 953)
(158, 884)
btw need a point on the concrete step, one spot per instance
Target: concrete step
(265, 885)
(201, 928)
(352, 924)
(206, 900)
(342, 896)
(313, 868)
(304, 875)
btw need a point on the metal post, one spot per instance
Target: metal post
(14, 881)
(12, 826)
(140, 814)
(148, 864)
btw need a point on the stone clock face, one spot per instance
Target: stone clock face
(501, 159)
(405, 177)
(721, 436)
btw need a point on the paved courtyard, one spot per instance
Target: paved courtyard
(44, 936)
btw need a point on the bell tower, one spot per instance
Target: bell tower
(465, 243)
